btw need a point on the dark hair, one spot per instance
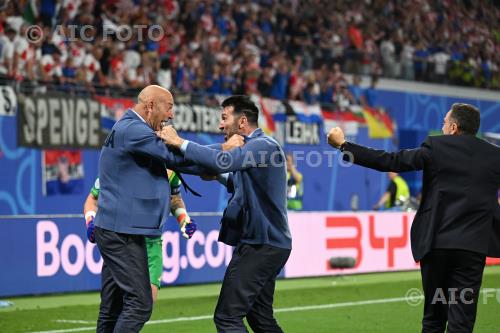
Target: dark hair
(466, 117)
(244, 106)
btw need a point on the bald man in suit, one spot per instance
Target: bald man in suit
(134, 188)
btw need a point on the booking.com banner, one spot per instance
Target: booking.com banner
(52, 255)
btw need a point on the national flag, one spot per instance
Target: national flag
(380, 125)
(348, 121)
(306, 113)
(62, 172)
(266, 121)
(115, 108)
(30, 12)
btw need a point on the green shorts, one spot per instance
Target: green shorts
(155, 259)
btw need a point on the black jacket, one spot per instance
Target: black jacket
(459, 208)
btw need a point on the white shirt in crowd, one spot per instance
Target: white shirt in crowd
(407, 53)
(388, 51)
(164, 78)
(91, 66)
(25, 54)
(50, 66)
(77, 54)
(131, 59)
(440, 62)
(6, 54)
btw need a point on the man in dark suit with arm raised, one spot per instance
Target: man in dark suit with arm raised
(454, 228)
(255, 220)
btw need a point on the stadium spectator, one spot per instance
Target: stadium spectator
(370, 94)
(7, 52)
(295, 184)
(396, 194)
(342, 97)
(164, 76)
(69, 74)
(280, 81)
(407, 64)
(440, 64)
(265, 82)
(51, 66)
(420, 61)
(444, 42)
(355, 89)
(92, 67)
(388, 54)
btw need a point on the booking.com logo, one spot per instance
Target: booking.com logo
(451, 296)
(88, 33)
(262, 159)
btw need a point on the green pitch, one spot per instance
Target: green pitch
(357, 303)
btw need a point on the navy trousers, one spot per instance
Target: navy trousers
(126, 301)
(248, 289)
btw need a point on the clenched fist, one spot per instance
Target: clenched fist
(234, 141)
(336, 137)
(169, 135)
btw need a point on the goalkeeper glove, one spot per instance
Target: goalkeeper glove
(187, 226)
(89, 225)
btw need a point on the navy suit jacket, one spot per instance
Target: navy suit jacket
(256, 212)
(135, 194)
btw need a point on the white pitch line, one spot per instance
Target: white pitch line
(345, 304)
(78, 329)
(291, 309)
(173, 320)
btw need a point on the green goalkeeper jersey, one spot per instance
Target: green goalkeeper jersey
(153, 244)
(173, 180)
(175, 186)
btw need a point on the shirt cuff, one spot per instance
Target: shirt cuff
(184, 146)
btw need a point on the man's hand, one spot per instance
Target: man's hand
(169, 135)
(234, 141)
(336, 137)
(89, 225)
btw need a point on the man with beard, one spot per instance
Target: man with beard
(255, 219)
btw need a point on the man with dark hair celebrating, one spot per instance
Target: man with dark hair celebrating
(457, 223)
(255, 220)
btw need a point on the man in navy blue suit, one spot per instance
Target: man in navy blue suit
(255, 220)
(133, 203)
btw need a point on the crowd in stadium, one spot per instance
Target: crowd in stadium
(281, 49)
